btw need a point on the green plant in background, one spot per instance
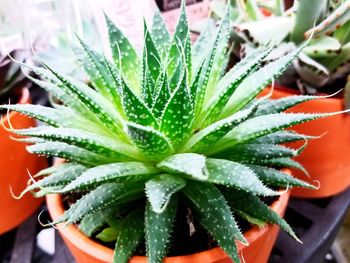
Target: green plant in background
(11, 77)
(165, 129)
(326, 57)
(61, 56)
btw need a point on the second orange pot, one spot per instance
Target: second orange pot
(15, 163)
(327, 159)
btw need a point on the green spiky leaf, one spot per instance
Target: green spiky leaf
(99, 106)
(106, 195)
(236, 175)
(178, 41)
(217, 57)
(129, 237)
(95, 221)
(99, 70)
(221, 224)
(160, 34)
(280, 105)
(276, 178)
(262, 125)
(152, 143)
(135, 109)
(209, 73)
(94, 143)
(252, 206)
(230, 82)
(177, 118)
(282, 137)
(91, 223)
(158, 227)
(151, 54)
(163, 95)
(147, 84)
(69, 152)
(257, 81)
(124, 172)
(284, 163)
(247, 153)
(179, 163)
(212, 133)
(124, 55)
(160, 190)
(57, 178)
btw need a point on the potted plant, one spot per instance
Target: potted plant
(321, 68)
(166, 143)
(15, 160)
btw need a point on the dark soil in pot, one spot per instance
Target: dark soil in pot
(188, 236)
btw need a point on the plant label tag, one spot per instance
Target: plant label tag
(127, 15)
(196, 9)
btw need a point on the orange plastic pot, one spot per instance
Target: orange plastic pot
(327, 159)
(15, 163)
(85, 250)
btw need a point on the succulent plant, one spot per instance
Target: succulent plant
(11, 77)
(327, 56)
(164, 129)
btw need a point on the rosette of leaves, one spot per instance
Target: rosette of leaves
(326, 57)
(162, 129)
(12, 79)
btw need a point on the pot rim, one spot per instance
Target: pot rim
(100, 252)
(24, 99)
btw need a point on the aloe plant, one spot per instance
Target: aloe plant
(162, 129)
(324, 60)
(11, 77)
